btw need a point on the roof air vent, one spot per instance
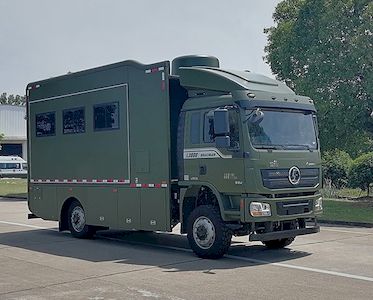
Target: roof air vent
(194, 61)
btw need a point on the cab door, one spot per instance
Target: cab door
(204, 161)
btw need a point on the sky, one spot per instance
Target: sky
(46, 38)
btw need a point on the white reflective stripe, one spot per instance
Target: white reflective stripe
(31, 180)
(79, 93)
(164, 185)
(74, 180)
(148, 71)
(94, 180)
(138, 184)
(198, 153)
(151, 185)
(84, 180)
(161, 69)
(127, 181)
(104, 180)
(163, 76)
(65, 180)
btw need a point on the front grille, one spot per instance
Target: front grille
(279, 178)
(294, 207)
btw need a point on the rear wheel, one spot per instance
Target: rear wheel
(278, 244)
(77, 221)
(208, 236)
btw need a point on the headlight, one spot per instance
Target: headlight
(260, 209)
(318, 204)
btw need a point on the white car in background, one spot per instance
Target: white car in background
(13, 167)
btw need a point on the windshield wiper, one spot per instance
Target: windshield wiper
(273, 147)
(296, 146)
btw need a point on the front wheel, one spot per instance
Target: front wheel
(278, 244)
(77, 222)
(208, 236)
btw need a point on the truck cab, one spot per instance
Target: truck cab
(251, 149)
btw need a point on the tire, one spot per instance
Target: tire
(278, 244)
(77, 222)
(208, 236)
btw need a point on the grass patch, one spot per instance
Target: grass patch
(13, 187)
(348, 211)
(345, 193)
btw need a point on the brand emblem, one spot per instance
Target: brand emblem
(294, 175)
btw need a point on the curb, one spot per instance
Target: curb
(355, 224)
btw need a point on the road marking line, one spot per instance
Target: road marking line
(339, 274)
(346, 231)
(251, 260)
(28, 225)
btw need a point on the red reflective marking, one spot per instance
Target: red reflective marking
(145, 185)
(154, 70)
(163, 85)
(132, 185)
(110, 180)
(99, 180)
(157, 185)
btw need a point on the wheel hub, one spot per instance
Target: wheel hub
(204, 232)
(78, 219)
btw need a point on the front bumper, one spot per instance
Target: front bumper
(277, 235)
(284, 208)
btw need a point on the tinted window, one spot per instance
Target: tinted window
(234, 129)
(208, 132)
(194, 128)
(46, 124)
(10, 166)
(106, 116)
(73, 121)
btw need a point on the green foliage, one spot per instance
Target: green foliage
(1, 136)
(323, 49)
(361, 174)
(336, 167)
(12, 100)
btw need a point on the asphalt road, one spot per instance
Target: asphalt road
(38, 262)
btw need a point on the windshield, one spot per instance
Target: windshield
(283, 130)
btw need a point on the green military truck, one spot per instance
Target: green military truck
(137, 147)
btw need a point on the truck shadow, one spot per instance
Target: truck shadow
(167, 251)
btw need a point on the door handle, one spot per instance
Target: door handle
(202, 170)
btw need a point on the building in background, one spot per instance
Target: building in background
(13, 127)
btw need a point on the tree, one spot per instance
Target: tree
(361, 174)
(323, 49)
(336, 167)
(12, 100)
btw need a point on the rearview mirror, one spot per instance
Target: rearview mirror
(257, 116)
(221, 122)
